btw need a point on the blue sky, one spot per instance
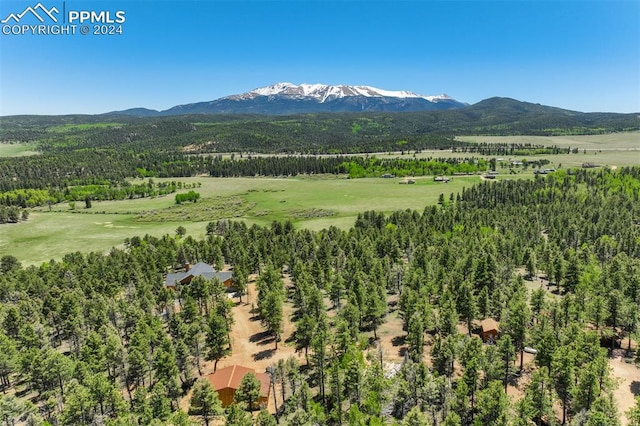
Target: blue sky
(578, 54)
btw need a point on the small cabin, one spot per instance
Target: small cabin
(226, 382)
(489, 329)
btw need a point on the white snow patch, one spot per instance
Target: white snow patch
(325, 92)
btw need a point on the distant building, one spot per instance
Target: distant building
(544, 171)
(226, 382)
(489, 329)
(197, 270)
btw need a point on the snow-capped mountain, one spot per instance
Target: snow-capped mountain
(289, 98)
(325, 92)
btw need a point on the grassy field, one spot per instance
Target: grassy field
(48, 236)
(312, 202)
(614, 149)
(608, 142)
(17, 149)
(619, 149)
(85, 126)
(602, 158)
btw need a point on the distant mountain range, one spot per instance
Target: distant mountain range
(288, 98)
(367, 131)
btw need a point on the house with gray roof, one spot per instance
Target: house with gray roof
(199, 269)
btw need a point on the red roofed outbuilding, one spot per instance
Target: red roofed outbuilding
(227, 380)
(490, 329)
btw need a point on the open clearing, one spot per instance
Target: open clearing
(47, 236)
(606, 142)
(619, 149)
(311, 202)
(609, 158)
(17, 149)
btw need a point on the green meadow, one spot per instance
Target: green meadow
(84, 126)
(48, 236)
(311, 202)
(17, 149)
(613, 149)
(607, 142)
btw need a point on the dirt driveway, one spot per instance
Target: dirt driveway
(628, 378)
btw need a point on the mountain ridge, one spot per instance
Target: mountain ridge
(287, 98)
(324, 92)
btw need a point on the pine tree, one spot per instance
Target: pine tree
(492, 406)
(375, 305)
(217, 341)
(518, 319)
(319, 357)
(538, 396)
(506, 350)
(271, 295)
(467, 304)
(562, 372)
(236, 416)
(240, 281)
(248, 391)
(471, 376)
(159, 402)
(448, 317)
(304, 334)
(205, 401)
(415, 417)
(264, 419)
(415, 338)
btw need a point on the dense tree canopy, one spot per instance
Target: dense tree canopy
(98, 338)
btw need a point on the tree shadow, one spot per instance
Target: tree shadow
(23, 392)
(265, 354)
(635, 387)
(398, 340)
(262, 338)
